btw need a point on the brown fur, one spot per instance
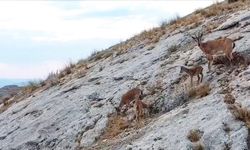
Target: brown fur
(140, 106)
(194, 71)
(213, 47)
(130, 96)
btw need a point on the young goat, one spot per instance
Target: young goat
(212, 47)
(129, 97)
(197, 70)
(140, 106)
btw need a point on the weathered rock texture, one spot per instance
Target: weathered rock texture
(75, 114)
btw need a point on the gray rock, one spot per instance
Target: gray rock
(75, 114)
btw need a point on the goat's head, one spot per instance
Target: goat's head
(197, 36)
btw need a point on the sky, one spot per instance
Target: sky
(38, 37)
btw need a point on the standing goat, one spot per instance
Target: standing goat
(129, 97)
(212, 47)
(197, 70)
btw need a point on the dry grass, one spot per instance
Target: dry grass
(170, 21)
(116, 125)
(67, 70)
(199, 91)
(102, 54)
(52, 80)
(31, 87)
(240, 113)
(151, 36)
(5, 107)
(7, 103)
(240, 59)
(194, 135)
(173, 48)
(229, 99)
(218, 9)
(191, 21)
(95, 55)
(81, 73)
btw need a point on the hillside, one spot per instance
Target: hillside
(8, 91)
(75, 109)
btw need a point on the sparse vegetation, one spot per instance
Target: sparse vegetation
(6, 101)
(199, 91)
(170, 21)
(194, 135)
(81, 73)
(115, 126)
(67, 70)
(240, 113)
(173, 48)
(5, 105)
(102, 54)
(153, 35)
(229, 98)
(220, 9)
(31, 87)
(96, 55)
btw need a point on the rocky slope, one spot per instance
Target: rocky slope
(76, 114)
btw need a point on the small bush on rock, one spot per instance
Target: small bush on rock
(116, 125)
(194, 135)
(199, 91)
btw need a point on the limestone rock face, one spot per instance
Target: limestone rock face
(75, 114)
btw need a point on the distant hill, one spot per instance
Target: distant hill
(19, 82)
(8, 91)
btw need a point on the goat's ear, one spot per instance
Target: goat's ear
(193, 38)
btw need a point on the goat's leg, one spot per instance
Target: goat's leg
(210, 60)
(201, 77)
(137, 116)
(198, 81)
(209, 65)
(230, 58)
(137, 119)
(141, 117)
(191, 77)
(137, 112)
